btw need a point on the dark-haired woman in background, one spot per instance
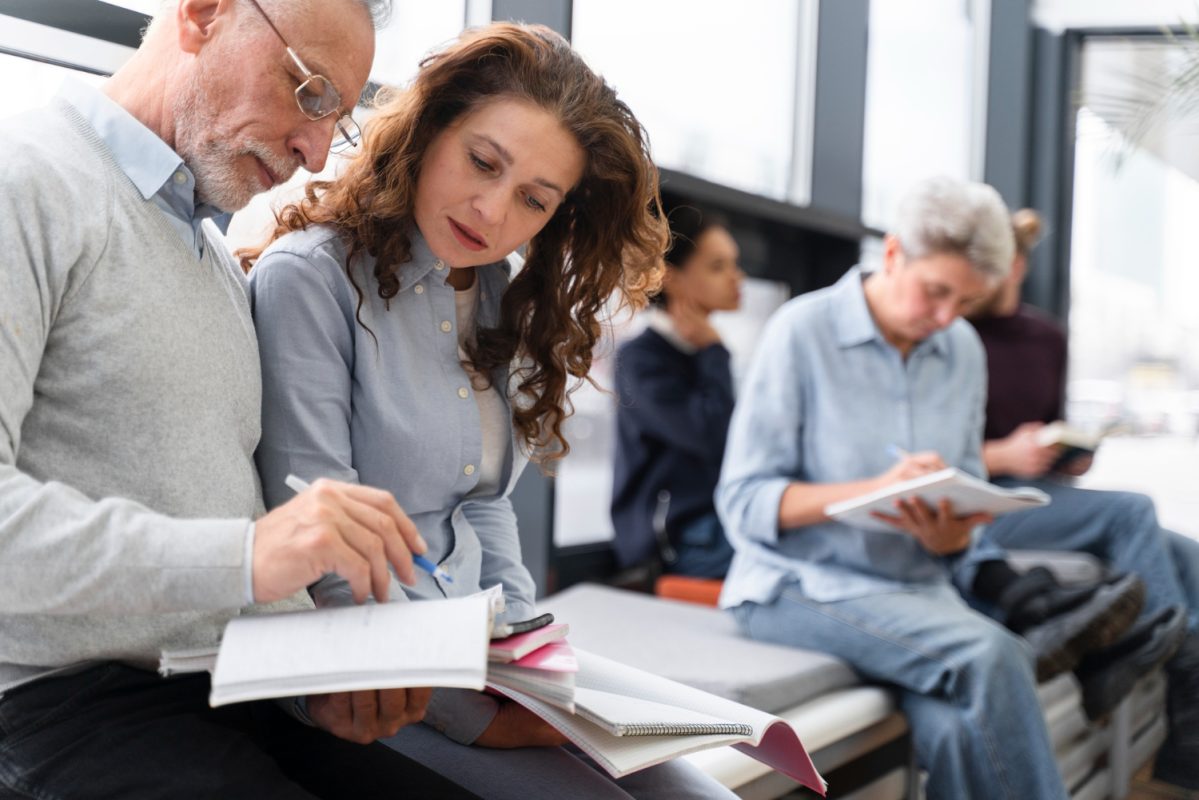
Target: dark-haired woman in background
(675, 393)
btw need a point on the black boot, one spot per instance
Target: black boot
(1064, 623)
(1178, 760)
(1107, 676)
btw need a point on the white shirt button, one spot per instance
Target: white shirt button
(446, 327)
(463, 393)
(469, 469)
(179, 177)
(418, 289)
(439, 265)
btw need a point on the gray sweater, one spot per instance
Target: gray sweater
(129, 414)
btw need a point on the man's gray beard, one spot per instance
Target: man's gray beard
(213, 161)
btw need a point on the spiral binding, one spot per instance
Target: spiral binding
(687, 729)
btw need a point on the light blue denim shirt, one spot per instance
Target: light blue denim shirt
(824, 398)
(384, 407)
(153, 167)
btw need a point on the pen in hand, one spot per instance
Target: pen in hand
(298, 485)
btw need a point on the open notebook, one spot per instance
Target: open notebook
(627, 719)
(374, 646)
(968, 494)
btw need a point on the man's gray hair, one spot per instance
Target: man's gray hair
(380, 10)
(948, 216)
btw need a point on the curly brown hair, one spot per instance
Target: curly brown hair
(607, 236)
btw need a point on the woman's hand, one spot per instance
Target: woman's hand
(692, 324)
(1020, 455)
(912, 465)
(516, 726)
(368, 715)
(938, 530)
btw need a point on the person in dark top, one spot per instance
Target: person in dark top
(1026, 360)
(675, 398)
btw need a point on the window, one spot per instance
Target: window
(415, 29)
(1133, 330)
(714, 84)
(925, 97)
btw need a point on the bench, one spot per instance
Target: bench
(855, 734)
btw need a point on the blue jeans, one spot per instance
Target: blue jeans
(703, 549)
(1120, 528)
(965, 683)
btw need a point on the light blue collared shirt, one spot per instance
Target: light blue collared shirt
(153, 167)
(162, 178)
(371, 390)
(824, 398)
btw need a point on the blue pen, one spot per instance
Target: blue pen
(298, 485)
(896, 452)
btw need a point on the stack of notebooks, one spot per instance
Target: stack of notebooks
(624, 718)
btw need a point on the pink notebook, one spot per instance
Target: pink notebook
(520, 645)
(553, 657)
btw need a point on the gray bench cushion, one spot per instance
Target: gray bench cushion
(695, 645)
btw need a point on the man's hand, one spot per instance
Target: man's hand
(354, 531)
(1020, 455)
(516, 726)
(938, 530)
(365, 716)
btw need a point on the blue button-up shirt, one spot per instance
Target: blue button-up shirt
(150, 164)
(375, 393)
(824, 398)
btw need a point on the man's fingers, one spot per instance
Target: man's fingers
(418, 701)
(397, 533)
(370, 547)
(332, 713)
(393, 707)
(385, 502)
(347, 562)
(365, 707)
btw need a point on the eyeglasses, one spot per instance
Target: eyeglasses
(317, 97)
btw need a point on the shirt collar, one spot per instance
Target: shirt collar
(149, 162)
(492, 278)
(662, 324)
(851, 315)
(854, 323)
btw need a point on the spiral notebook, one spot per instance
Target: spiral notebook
(621, 715)
(628, 719)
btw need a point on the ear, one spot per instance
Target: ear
(195, 21)
(1019, 268)
(892, 253)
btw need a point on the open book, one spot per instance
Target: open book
(374, 646)
(1073, 442)
(627, 719)
(968, 494)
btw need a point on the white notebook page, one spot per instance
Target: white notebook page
(375, 646)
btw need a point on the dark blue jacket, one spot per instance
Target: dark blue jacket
(672, 416)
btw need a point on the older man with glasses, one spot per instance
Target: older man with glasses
(130, 511)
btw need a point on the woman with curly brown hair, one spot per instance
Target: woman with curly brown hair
(403, 347)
